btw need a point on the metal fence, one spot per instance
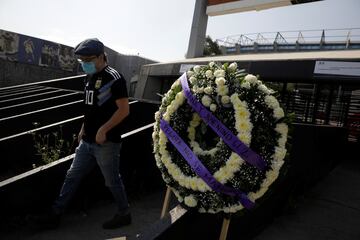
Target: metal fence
(289, 41)
(332, 105)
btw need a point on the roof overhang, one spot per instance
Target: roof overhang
(222, 7)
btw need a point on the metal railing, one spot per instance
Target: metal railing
(300, 40)
(326, 106)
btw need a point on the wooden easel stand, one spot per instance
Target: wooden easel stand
(165, 208)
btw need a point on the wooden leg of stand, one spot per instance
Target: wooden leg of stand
(224, 228)
(165, 207)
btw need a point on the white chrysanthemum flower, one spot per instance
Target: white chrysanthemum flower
(226, 210)
(176, 173)
(259, 193)
(175, 84)
(242, 112)
(171, 108)
(206, 101)
(190, 73)
(193, 184)
(279, 154)
(197, 69)
(212, 211)
(219, 73)
(220, 81)
(208, 90)
(157, 158)
(200, 90)
(192, 79)
(194, 123)
(234, 98)
(213, 107)
(166, 116)
(271, 175)
(171, 167)
(209, 74)
(157, 116)
(163, 101)
(191, 132)
(245, 138)
(282, 128)
(167, 161)
(279, 113)
(196, 148)
(180, 97)
(271, 101)
(233, 66)
(225, 99)
(243, 125)
(235, 161)
(264, 89)
(196, 117)
(251, 78)
(221, 175)
(181, 180)
(190, 201)
(202, 186)
(282, 141)
(222, 90)
(245, 85)
(276, 165)
(177, 194)
(162, 138)
(154, 136)
(233, 209)
(162, 150)
(211, 64)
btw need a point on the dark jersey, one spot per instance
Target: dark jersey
(102, 89)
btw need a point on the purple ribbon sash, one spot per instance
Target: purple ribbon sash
(200, 169)
(221, 130)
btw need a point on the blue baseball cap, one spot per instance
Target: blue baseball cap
(89, 47)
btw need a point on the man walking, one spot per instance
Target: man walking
(106, 106)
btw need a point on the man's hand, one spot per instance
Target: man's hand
(116, 118)
(100, 136)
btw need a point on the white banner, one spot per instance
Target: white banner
(337, 68)
(185, 67)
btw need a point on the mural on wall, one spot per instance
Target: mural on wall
(29, 50)
(67, 60)
(25, 49)
(9, 44)
(49, 54)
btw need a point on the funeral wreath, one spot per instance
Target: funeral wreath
(220, 138)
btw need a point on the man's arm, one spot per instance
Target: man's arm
(81, 133)
(116, 118)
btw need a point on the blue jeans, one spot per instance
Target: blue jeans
(107, 156)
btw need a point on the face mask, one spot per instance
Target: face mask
(88, 67)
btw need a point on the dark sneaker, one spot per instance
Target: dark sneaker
(117, 221)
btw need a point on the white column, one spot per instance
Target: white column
(198, 30)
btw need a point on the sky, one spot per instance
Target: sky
(160, 29)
